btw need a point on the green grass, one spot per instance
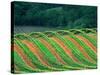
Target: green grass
(53, 62)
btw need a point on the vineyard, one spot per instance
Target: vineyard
(61, 50)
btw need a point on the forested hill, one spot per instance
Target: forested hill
(54, 15)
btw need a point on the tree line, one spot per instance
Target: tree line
(54, 15)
